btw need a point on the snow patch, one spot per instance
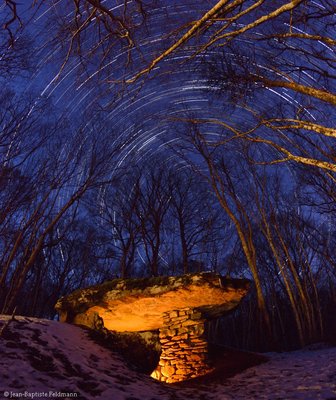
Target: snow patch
(50, 359)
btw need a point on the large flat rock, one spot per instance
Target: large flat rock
(138, 304)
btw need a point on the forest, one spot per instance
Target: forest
(154, 137)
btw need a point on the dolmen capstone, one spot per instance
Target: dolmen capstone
(178, 307)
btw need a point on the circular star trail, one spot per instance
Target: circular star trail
(143, 116)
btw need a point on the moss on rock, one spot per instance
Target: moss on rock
(82, 299)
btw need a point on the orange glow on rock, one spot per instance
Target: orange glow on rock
(184, 348)
(141, 313)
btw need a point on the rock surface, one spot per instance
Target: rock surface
(175, 307)
(133, 305)
(184, 348)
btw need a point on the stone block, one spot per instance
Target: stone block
(180, 337)
(163, 332)
(189, 322)
(185, 345)
(182, 330)
(168, 358)
(196, 315)
(156, 375)
(184, 372)
(168, 371)
(180, 358)
(175, 326)
(198, 340)
(169, 343)
(180, 318)
(200, 350)
(196, 357)
(168, 351)
(171, 332)
(198, 330)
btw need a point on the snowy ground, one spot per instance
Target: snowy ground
(47, 359)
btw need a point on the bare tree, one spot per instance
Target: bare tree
(120, 220)
(221, 181)
(193, 208)
(60, 174)
(153, 205)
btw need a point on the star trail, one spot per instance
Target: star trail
(175, 86)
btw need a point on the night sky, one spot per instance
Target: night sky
(83, 86)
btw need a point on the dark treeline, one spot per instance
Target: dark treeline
(247, 190)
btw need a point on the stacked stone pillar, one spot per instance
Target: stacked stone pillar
(184, 348)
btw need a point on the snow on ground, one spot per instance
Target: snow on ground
(48, 359)
(305, 374)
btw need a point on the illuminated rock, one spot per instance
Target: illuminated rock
(183, 356)
(176, 306)
(133, 305)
